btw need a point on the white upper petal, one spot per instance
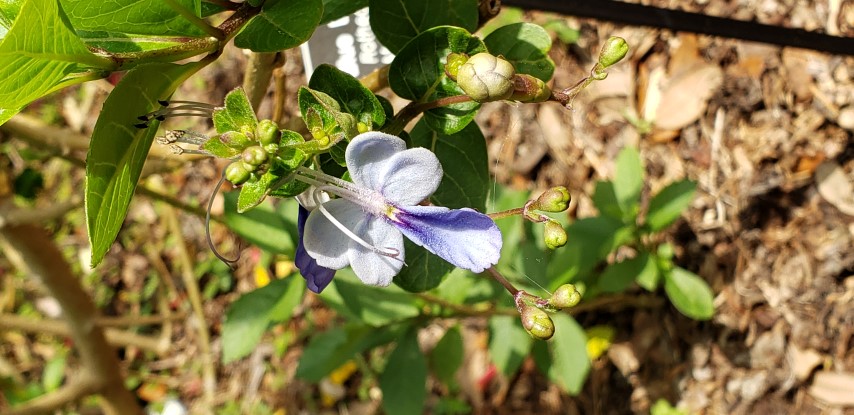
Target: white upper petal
(371, 267)
(367, 157)
(324, 241)
(381, 162)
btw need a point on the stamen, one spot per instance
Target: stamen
(387, 251)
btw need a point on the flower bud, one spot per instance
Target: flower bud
(553, 200)
(613, 51)
(268, 132)
(565, 296)
(254, 156)
(537, 323)
(554, 235)
(527, 88)
(486, 78)
(455, 60)
(235, 140)
(236, 173)
(362, 127)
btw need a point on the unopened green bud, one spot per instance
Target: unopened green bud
(565, 296)
(554, 235)
(527, 88)
(455, 60)
(268, 132)
(235, 140)
(613, 51)
(254, 156)
(537, 323)
(362, 127)
(236, 173)
(247, 131)
(485, 77)
(553, 200)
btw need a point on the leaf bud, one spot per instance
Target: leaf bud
(235, 140)
(554, 235)
(236, 173)
(537, 323)
(528, 88)
(553, 200)
(268, 132)
(254, 156)
(485, 77)
(565, 296)
(613, 51)
(455, 60)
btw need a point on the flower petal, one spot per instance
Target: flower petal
(323, 240)
(371, 267)
(316, 277)
(367, 156)
(411, 176)
(464, 237)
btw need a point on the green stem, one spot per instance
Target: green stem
(506, 213)
(503, 281)
(195, 20)
(193, 47)
(409, 112)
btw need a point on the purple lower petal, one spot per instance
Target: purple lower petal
(464, 237)
(316, 277)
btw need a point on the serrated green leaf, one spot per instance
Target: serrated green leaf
(570, 365)
(526, 46)
(620, 275)
(404, 379)
(628, 181)
(248, 318)
(236, 115)
(447, 356)
(509, 343)
(396, 22)
(336, 9)
(118, 148)
(41, 54)
(263, 226)
(329, 350)
(282, 24)
(418, 74)
(423, 271)
(666, 206)
(689, 293)
(140, 17)
(350, 94)
(465, 182)
(373, 305)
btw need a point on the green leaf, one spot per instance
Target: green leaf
(396, 22)
(119, 43)
(509, 343)
(41, 54)
(570, 365)
(465, 182)
(373, 305)
(236, 115)
(282, 24)
(54, 372)
(590, 241)
(322, 113)
(140, 17)
(605, 200)
(526, 46)
(336, 9)
(689, 293)
(666, 206)
(329, 350)
(248, 318)
(253, 192)
(9, 10)
(263, 226)
(423, 271)
(649, 274)
(619, 276)
(628, 181)
(447, 356)
(404, 380)
(351, 95)
(118, 148)
(418, 74)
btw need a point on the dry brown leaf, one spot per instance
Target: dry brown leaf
(684, 98)
(835, 187)
(803, 361)
(833, 388)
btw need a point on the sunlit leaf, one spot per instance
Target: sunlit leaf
(689, 293)
(282, 24)
(666, 206)
(141, 17)
(526, 46)
(396, 22)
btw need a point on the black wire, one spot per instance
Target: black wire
(640, 15)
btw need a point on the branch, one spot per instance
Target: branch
(31, 250)
(74, 390)
(256, 79)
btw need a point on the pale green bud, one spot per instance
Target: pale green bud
(613, 51)
(537, 323)
(268, 132)
(527, 88)
(565, 296)
(485, 77)
(553, 200)
(254, 156)
(554, 235)
(235, 140)
(236, 173)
